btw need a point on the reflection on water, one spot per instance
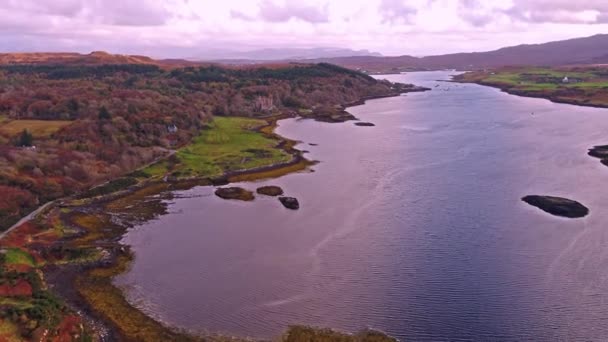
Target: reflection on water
(413, 227)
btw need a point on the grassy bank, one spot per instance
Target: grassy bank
(226, 145)
(585, 85)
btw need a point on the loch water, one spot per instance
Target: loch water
(414, 227)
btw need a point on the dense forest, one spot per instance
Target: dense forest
(65, 128)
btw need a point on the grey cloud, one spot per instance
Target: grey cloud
(602, 18)
(472, 12)
(130, 12)
(557, 11)
(477, 20)
(272, 12)
(67, 8)
(240, 15)
(469, 4)
(393, 11)
(18, 22)
(269, 11)
(109, 12)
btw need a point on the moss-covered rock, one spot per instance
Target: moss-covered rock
(235, 193)
(270, 190)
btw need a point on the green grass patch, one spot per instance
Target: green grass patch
(538, 86)
(228, 144)
(603, 84)
(21, 304)
(16, 256)
(157, 170)
(507, 78)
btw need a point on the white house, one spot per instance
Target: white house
(566, 80)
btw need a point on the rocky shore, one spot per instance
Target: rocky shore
(338, 113)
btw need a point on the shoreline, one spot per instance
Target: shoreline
(120, 257)
(71, 281)
(515, 92)
(79, 284)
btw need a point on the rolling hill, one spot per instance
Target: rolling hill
(93, 58)
(588, 50)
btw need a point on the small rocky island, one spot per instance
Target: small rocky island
(290, 202)
(557, 206)
(364, 124)
(601, 153)
(333, 114)
(270, 190)
(235, 193)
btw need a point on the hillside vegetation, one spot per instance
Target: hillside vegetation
(66, 127)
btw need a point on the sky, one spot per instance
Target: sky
(197, 28)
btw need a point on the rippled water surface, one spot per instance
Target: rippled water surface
(414, 227)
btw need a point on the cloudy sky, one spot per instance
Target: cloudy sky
(191, 28)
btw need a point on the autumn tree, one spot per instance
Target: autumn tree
(73, 108)
(25, 139)
(104, 114)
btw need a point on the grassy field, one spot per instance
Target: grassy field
(38, 128)
(587, 85)
(16, 256)
(229, 144)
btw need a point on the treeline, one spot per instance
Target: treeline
(65, 72)
(217, 74)
(189, 74)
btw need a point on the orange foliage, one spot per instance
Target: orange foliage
(20, 288)
(68, 328)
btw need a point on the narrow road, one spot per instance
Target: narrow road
(26, 218)
(40, 209)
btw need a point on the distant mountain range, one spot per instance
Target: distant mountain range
(589, 50)
(262, 56)
(275, 54)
